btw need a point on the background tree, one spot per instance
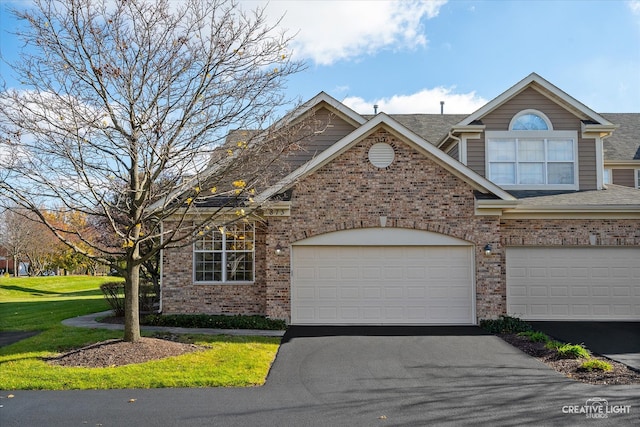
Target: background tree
(124, 95)
(16, 235)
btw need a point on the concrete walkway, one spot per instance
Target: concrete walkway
(89, 321)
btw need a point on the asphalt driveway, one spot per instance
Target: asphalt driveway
(357, 377)
(616, 340)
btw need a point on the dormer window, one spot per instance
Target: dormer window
(531, 155)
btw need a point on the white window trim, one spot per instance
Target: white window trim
(526, 134)
(224, 272)
(532, 111)
(637, 177)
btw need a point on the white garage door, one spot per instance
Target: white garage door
(382, 285)
(573, 283)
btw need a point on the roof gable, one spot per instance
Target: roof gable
(547, 89)
(382, 120)
(323, 100)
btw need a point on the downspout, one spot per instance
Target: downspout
(161, 269)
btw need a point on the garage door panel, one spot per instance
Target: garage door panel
(382, 285)
(601, 283)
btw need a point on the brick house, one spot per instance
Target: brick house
(529, 206)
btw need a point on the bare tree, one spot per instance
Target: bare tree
(124, 117)
(17, 236)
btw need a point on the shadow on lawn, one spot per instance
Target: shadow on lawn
(42, 293)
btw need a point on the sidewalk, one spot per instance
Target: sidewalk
(89, 321)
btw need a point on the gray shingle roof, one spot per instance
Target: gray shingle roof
(613, 195)
(430, 127)
(624, 144)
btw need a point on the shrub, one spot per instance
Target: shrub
(553, 345)
(595, 365)
(505, 325)
(214, 321)
(114, 294)
(573, 351)
(534, 336)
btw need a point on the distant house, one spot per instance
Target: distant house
(529, 207)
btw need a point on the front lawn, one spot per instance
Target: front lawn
(41, 303)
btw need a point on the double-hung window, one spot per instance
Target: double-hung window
(226, 254)
(531, 155)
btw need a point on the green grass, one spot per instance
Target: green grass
(30, 304)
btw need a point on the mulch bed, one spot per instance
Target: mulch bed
(620, 374)
(117, 352)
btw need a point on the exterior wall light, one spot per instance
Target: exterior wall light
(279, 250)
(487, 249)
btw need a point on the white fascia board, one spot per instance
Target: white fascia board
(327, 155)
(575, 211)
(478, 129)
(597, 130)
(622, 164)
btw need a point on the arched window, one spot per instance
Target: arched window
(530, 120)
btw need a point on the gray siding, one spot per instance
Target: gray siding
(335, 130)
(499, 119)
(623, 177)
(454, 152)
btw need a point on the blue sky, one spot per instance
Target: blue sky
(407, 56)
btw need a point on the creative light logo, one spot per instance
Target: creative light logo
(596, 407)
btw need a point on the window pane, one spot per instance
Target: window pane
(559, 150)
(531, 151)
(606, 179)
(502, 150)
(529, 122)
(503, 173)
(560, 173)
(239, 237)
(208, 267)
(531, 173)
(240, 266)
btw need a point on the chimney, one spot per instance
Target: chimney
(375, 109)
(441, 107)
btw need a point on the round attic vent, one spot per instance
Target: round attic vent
(381, 155)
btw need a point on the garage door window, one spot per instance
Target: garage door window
(225, 255)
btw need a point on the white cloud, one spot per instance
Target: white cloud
(329, 31)
(425, 101)
(634, 5)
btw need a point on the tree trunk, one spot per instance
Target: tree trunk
(131, 309)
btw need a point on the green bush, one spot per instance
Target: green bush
(214, 321)
(573, 351)
(595, 365)
(535, 336)
(505, 325)
(553, 345)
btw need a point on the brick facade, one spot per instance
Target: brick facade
(181, 295)
(414, 192)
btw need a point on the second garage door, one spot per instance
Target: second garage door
(574, 283)
(382, 285)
